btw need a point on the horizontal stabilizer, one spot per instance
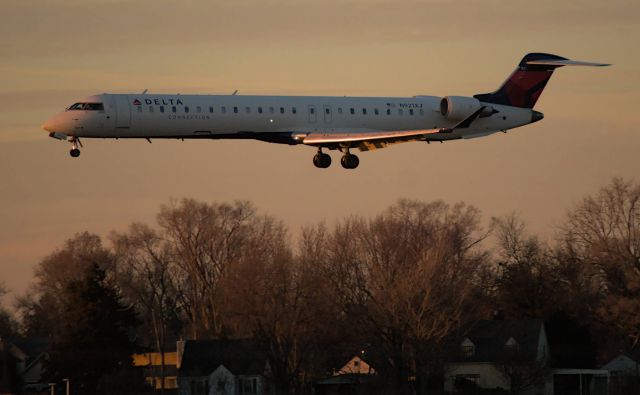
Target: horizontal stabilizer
(564, 62)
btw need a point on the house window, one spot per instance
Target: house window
(464, 380)
(356, 363)
(467, 350)
(250, 386)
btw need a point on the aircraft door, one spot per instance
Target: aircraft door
(327, 114)
(312, 114)
(123, 111)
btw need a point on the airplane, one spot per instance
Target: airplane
(321, 122)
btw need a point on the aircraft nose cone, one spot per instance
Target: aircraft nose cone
(536, 116)
(48, 125)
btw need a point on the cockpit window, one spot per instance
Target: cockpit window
(87, 107)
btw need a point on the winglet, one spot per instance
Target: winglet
(564, 62)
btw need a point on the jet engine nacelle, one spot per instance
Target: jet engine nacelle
(457, 108)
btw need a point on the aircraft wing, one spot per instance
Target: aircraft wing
(368, 141)
(365, 141)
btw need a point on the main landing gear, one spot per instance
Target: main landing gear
(321, 160)
(75, 151)
(348, 160)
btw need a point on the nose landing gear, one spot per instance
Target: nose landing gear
(75, 151)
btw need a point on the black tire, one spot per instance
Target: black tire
(325, 161)
(349, 161)
(322, 161)
(74, 152)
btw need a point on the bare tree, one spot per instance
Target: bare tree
(40, 306)
(149, 281)
(602, 234)
(408, 276)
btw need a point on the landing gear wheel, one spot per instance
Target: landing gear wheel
(349, 161)
(321, 160)
(74, 152)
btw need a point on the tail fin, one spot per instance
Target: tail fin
(525, 85)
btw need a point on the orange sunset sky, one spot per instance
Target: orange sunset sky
(56, 52)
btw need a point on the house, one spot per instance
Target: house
(152, 363)
(355, 376)
(25, 359)
(624, 371)
(514, 356)
(222, 367)
(499, 355)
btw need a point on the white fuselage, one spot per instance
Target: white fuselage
(280, 119)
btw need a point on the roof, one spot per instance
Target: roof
(490, 337)
(202, 357)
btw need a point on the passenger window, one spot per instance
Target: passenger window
(247, 110)
(186, 109)
(327, 111)
(339, 110)
(139, 108)
(161, 108)
(411, 111)
(421, 111)
(388, 111)
(173, 109)
(150, 108)
(211, 109)
(281, 110)
(312, 110)
(259, 110)
(198, 109)
(293, 110)
(224, 109)
(353, 111)
(235, 110)
(400, 111)
(364, 111)
(375, 111)
(271, 110)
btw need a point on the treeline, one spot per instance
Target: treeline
(403, 282)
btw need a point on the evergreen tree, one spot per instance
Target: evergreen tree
(95, 339)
